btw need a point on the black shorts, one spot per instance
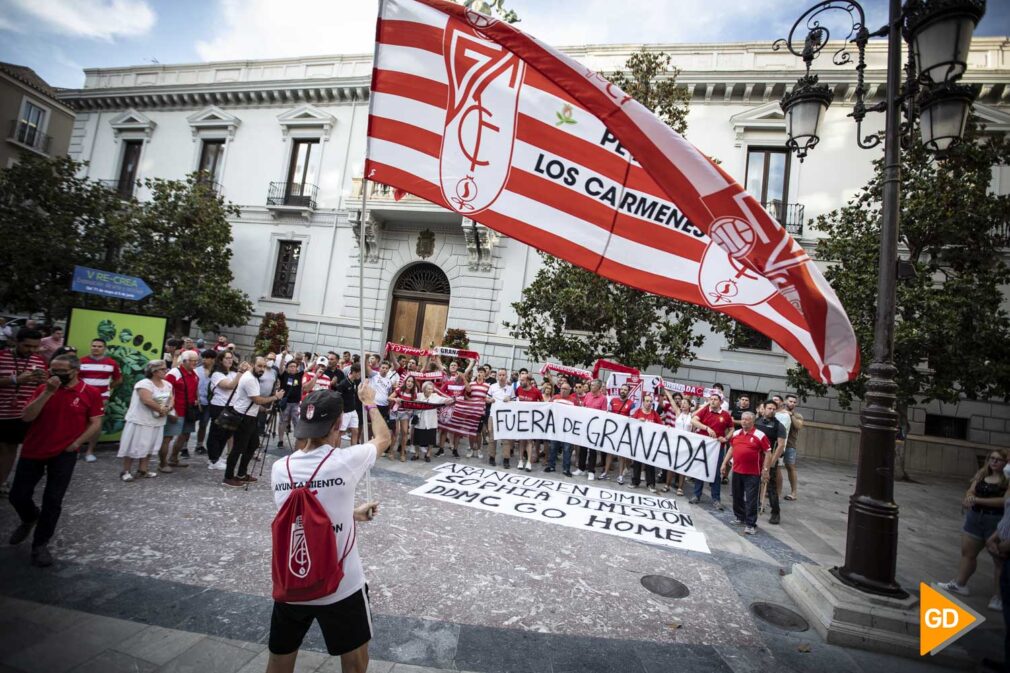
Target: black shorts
(13, 431)
(346, 624)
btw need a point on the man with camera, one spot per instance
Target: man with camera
(344, 616)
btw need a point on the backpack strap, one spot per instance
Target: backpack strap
(312, 478)
(350, 543)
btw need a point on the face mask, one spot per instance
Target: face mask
(270, 363)
(64, 377)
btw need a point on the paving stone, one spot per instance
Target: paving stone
(17, 634)
(158, 645)
(60, 652)
(111, 661)
(307, 662)
(209, 656)
(332, 665)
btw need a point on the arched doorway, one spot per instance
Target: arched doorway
(420, 306)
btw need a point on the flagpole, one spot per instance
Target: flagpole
(361, 319)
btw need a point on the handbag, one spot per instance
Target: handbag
(229, 419)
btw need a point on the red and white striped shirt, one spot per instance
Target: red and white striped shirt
(13, 399)
(100, 374)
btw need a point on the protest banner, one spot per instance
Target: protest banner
(665, 447)
(648, 383)
(649, 519)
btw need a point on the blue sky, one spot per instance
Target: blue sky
(59, 38)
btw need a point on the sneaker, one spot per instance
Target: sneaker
(750, 530)
(995, 603)
(719, 506)
(41, 556)
(201, 450)
(234, 483)
(427, 458)
(184, 454)
(775, 519)
(167, 469)
(280, 445)
(469, 454)
(620, 479)
(736, 522)
(529, 468)
(548, 469)
(652, 489)
(954, 588)
(414, 456)
(604, 477)
(568, 474)
(178, 463)
(634, 485)
(346, 436)
(439, 452)
(90, 458)
(479, 455)
(21, 533)
(150, 474)
(694, 500)
(590, 476)
(505, 463)
(248, 478)
(126, 476)
(455, 453)
(490, 461)
(576, 473)
(680, 491)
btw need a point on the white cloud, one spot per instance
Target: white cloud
(98, 19)
(251, 29)
(271, 29)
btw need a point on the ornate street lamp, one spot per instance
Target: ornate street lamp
(939, 34)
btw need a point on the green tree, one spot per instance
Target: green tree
(951, 331)
(51, 220)
(576, 316)
(182, 248)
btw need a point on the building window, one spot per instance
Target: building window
(748, 337)
(129, 168)
(948, 427)
(211, 156)
(768, 174)
(304, 167)
(30, 124)
(286, 271)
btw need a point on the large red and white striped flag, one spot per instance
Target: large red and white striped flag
(474, 115)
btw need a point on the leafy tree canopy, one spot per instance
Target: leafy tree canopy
(178, 242)
(952, 329)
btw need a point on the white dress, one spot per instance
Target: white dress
(143, 431)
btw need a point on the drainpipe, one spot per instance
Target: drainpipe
(526, 266)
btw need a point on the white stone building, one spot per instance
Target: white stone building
(285, 141)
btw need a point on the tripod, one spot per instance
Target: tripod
(264, 440)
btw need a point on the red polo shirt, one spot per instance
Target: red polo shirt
(749, 447)
(63, 419)
(719, 421)
(622, 407)
(652, 416)
(532, 394)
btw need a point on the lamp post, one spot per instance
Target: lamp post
(939, 34)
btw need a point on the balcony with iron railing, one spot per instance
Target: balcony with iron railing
(28, 137)
(789, 215)
(292, 195)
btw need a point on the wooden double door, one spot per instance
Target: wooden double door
(418, 319)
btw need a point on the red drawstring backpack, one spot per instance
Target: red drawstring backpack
(305, 564)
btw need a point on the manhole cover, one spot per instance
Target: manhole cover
(776, 615)
(665, 586)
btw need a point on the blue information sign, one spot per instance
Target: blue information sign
(108, 284)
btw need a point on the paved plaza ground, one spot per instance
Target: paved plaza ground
(173, 574)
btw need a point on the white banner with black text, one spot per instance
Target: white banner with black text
(651, 443)
(650, 519)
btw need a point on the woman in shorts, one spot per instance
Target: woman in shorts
(406, 392)
(983, 503)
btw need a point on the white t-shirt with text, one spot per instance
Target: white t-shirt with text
(248, 388)
(334, 486)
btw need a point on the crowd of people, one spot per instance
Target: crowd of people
(431, 408)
